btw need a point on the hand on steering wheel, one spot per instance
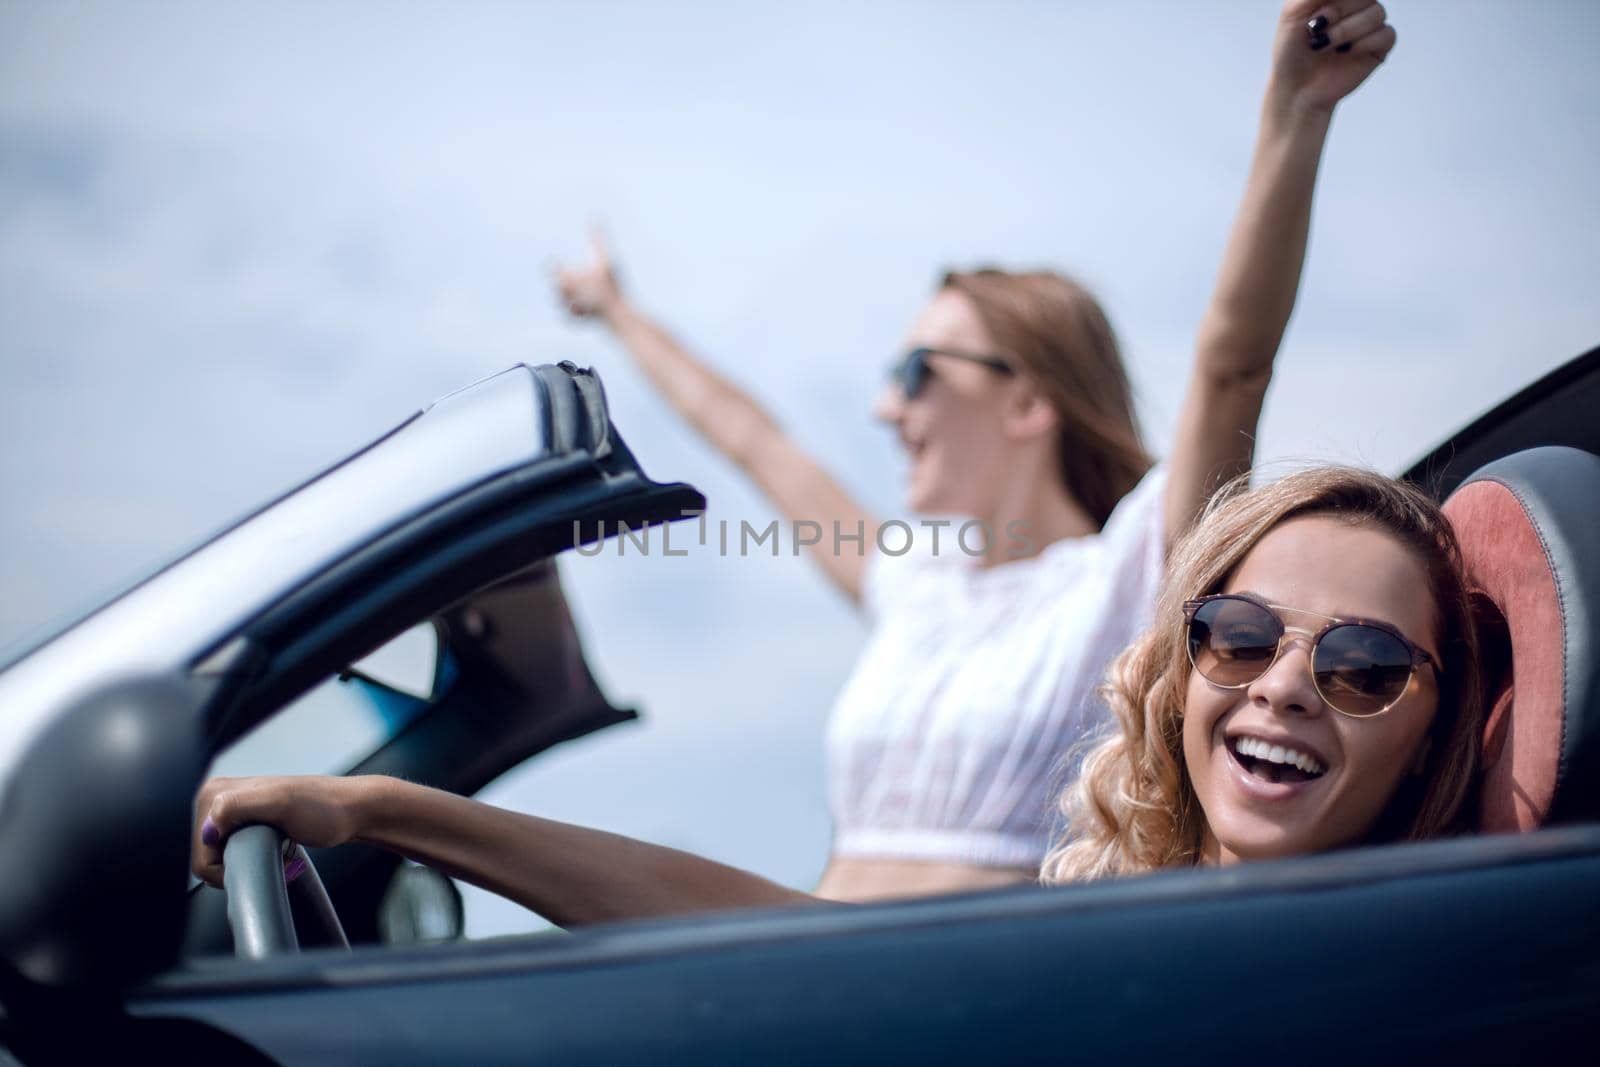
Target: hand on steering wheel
(259, 878)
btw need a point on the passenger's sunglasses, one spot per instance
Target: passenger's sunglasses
(1360, 668)
(911, 372)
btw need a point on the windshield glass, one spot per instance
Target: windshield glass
(351, 715)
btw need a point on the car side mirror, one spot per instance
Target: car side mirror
(95, 826)
(420, 904)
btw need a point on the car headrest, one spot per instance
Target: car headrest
(1529, 526)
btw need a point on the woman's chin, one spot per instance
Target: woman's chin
(931, 497)
(1250, 838)
(1258, 849)
(921, 498)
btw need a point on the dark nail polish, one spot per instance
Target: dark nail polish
(293, 869)
(209, 834)
(1319, 42)
(1343, 48)
(1317, 25)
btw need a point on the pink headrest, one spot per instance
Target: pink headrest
(1529, 527)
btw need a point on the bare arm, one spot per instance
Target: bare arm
(725, 415)
(1260, 273)
(569, 874)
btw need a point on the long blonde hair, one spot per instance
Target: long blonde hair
(1133, 807)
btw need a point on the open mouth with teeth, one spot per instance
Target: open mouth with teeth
(1274, 763)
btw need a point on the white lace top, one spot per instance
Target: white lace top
(946, 743)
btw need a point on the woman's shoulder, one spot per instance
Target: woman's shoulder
(1126, 560)
(1142, 506)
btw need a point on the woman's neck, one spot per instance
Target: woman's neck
(1027, 519)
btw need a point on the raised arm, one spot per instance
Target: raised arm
(1315, 64)
(569, 874)
(726, 416)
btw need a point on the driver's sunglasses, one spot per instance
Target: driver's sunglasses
(911, 372)
(1361, 668)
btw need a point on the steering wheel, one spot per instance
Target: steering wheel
(254, 869)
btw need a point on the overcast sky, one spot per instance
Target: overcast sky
(236, 242)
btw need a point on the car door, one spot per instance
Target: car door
(1473, 950)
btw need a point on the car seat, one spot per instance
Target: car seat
(1529, 526)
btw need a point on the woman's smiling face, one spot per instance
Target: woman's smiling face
(1254, 811)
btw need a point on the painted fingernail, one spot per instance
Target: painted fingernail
(294, 869)
(1316, 25)
(1344, 47)
(1319, 42)
(209, 834)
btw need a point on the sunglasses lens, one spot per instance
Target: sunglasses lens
(1232, 642)
(1361, 670)
(911, 373)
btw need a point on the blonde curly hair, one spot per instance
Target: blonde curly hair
(1132, 807)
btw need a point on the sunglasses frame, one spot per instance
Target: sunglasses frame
(911, 372)
(1419, 655)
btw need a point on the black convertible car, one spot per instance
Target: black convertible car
(440, 536)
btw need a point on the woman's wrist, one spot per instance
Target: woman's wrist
(366, 800)
(615, 312)
(1289, 110)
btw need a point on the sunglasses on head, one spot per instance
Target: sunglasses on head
(1360, 668)
(912, 371)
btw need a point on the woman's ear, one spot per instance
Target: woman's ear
(1029, 414)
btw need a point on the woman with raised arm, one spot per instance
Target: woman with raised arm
(1013, 402)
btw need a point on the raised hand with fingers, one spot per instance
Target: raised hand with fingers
(1324, 49)
(590, 290)
(729, 417)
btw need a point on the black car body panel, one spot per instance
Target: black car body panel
(1404, 954)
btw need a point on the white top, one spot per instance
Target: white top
(947, 742)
